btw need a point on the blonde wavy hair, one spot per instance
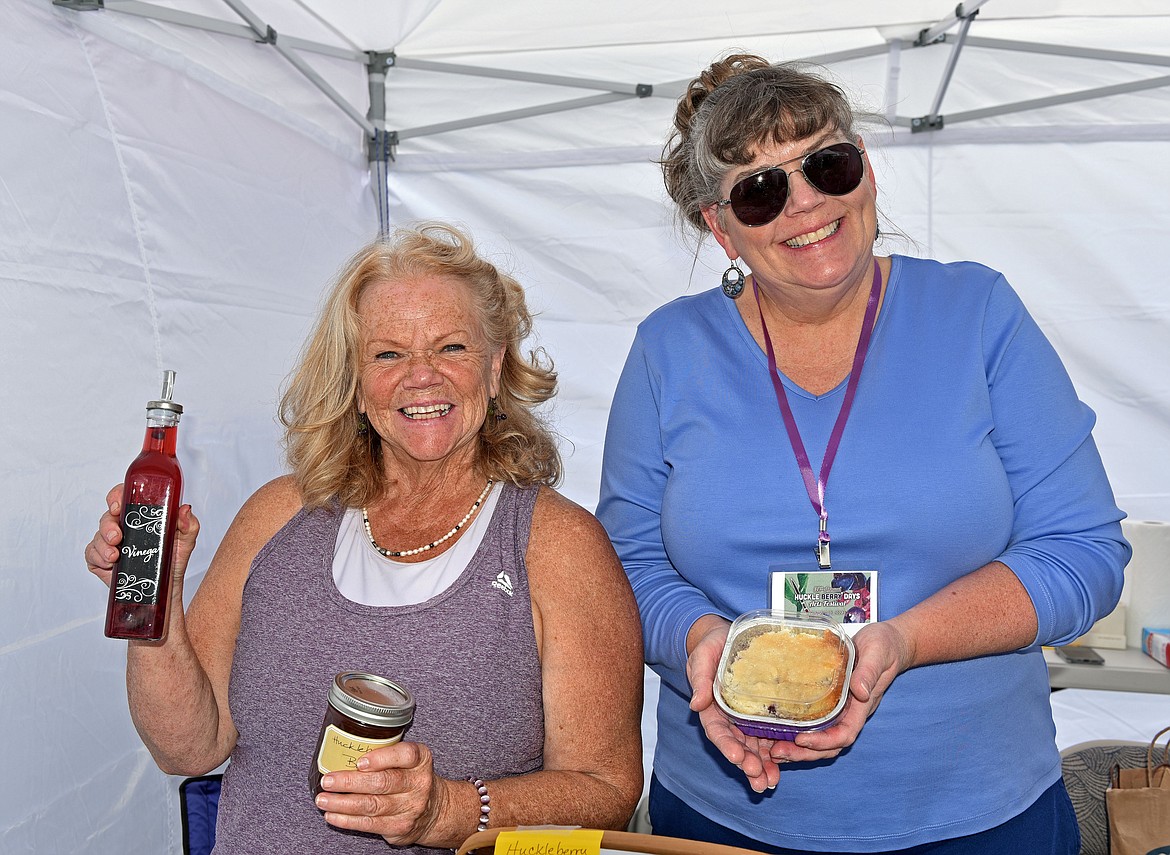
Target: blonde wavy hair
(327, 453)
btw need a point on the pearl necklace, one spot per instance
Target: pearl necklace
(389, 553)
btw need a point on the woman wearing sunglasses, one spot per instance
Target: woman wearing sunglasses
(966, 501)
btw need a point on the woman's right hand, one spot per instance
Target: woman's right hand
(751, 754)
(101, 553)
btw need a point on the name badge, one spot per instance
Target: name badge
(850, 597)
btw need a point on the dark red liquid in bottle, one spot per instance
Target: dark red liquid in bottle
(140, 589)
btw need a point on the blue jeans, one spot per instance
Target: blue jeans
(1048, 827)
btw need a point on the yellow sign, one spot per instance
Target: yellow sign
(549, 841)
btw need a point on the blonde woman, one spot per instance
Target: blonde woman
(417, 537)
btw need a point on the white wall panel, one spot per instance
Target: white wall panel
(146, 221)
(171, 199)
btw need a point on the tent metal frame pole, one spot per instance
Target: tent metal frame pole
(964, 11)
(379, 145)
(381, 141)
(846, 55)
(269, 36)
(637, 90)
(257, 31)
(509, 115)
(1069, 51)
(616, 91)
(215, 25)
(893, 78)
(933, 120)
(612, 92)
(1053, 100)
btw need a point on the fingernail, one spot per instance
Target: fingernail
(363, 763)
(322, 801)
(327, 782)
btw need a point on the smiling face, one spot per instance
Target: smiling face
(819, 242)
(425, 371)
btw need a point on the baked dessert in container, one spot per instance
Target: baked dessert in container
(782, 674)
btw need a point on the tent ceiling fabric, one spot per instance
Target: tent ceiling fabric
(447, 28)
(468, 27)
(661, 44)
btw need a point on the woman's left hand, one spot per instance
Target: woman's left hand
(882, 654)
(394, 792)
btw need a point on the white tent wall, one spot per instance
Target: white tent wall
(597, 250)
(594, 250)
(175, 199)
(147, 220)
(1086, 267)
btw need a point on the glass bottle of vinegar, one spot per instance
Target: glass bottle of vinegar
(140, 587)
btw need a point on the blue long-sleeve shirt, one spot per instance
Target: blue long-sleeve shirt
(966, 444)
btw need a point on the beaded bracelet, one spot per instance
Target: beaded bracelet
(485, 803)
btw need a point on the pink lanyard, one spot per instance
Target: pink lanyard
(816, 489)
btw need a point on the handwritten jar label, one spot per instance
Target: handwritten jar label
(340, 750)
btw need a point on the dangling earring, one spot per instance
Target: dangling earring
(363, 427)
(495, 412)
(733, 281)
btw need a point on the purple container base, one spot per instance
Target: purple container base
(783, 732)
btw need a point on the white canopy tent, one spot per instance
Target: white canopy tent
(179, 180)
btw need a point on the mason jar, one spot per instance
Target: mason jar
(365, 712)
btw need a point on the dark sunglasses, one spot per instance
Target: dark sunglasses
(760, 198)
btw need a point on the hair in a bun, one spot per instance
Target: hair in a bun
(731, 110)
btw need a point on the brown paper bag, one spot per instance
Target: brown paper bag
(1138, 806)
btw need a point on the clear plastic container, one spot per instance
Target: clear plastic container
(782, 674)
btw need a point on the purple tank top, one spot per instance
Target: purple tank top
(468, 656)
